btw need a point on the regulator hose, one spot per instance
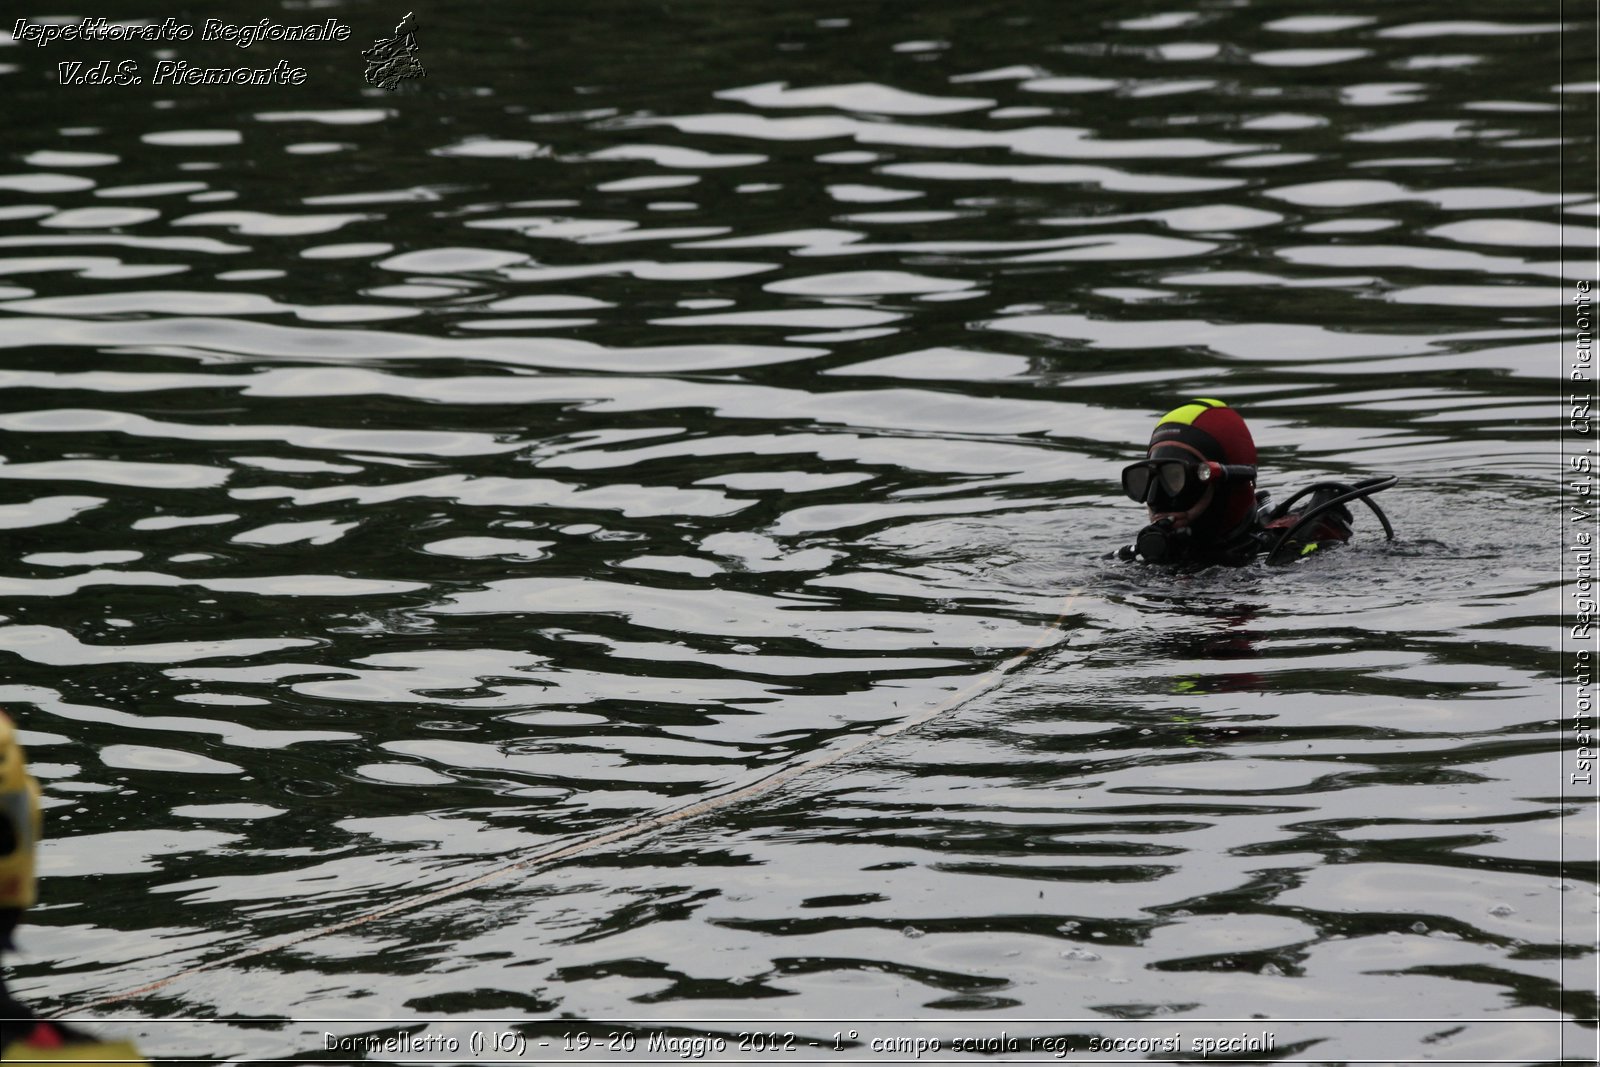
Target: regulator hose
(1362, 491)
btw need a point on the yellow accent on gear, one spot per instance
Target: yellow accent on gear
(76, 1053)
(1191, 411)
(19, 808)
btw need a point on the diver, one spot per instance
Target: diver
(24, 1037)
(1199, 483)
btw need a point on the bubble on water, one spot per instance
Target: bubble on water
(1500, 911)
(1419, 927)
(1069, 926)
(912, 932)
(746, 649)
(1271, 970)
(1081, 954)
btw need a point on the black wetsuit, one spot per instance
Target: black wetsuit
(17, 1021)
(1262, 532)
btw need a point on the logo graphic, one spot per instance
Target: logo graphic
(391, 60)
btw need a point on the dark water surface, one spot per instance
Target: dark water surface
(658, 395)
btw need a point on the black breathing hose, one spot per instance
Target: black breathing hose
(1361, 491)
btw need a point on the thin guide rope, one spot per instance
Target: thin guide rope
(598, 839)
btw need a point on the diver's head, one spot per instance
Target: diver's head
(1198, 480)
(19, 831)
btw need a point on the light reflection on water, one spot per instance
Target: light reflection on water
(400, 484)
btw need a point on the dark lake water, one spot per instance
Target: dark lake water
(657, 396)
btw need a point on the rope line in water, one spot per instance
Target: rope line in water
(589, 842)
